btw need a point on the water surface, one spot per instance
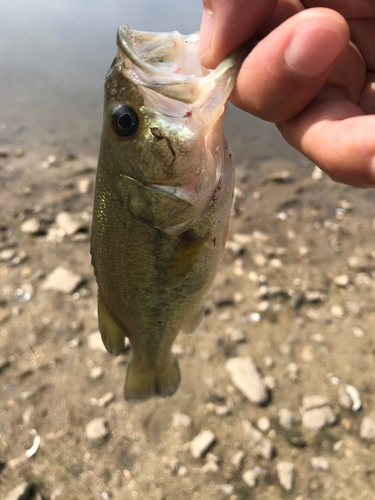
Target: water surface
(53, 60)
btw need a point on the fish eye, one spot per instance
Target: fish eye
(124, 121)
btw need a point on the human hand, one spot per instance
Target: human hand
(312, 73)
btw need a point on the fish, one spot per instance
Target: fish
(163, 195)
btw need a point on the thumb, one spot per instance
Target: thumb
(227, 24)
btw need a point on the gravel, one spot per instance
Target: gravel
(367, 429)
(246, 378)
(97, 431)
(250, 477)
(320, 463)
(23, 491)
(259, 445)
(62, 280)
(288, 419)
(181, 420)
(286, 475)
(95, 342)
(200, 445)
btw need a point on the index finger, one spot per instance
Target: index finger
(227, 24)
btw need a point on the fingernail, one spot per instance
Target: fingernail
(313, 49)
(206, 34)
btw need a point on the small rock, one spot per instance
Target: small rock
(264, 424)
(309, 402)
(50, 161)
(314, 296)
(95, 342)
(84, 185)
(237, 459)
(358, 332)
(106, 399)
(268, 361)
(259, 260)
(234, 248)
(286, 474)
(181, 420)
(210, 466)
(337, 312)
(23, 491)
(270, 382)
(238, 336)
(97, 431)
(7, 254)
(174, 464)
(264, 306)
(303, 251)
(31, 226)
(367, 429)
(178, 350)
(19, 152)
(314, 315)
(293, 371)
(349, 398)
(259, 445)
(317, 174)
(247, 379)
(250, 477)
(58, 493)
(97, 372)
(68, 223)
(283, 176)
(276, 263)
(358, 264)
(318, 418)
(288, 419)
(226, 489)
(320, 463)
(182, 471)
(3, 362)
(62, 280)
(4, 152)
(342, 281)
(308, 354)
(5, 314)
(28, 415)
(202, 443)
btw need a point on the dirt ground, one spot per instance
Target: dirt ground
(276, 299)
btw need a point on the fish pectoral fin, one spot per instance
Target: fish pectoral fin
(192, 324)
(144, 384)
(184, 257)
(112, 335)
(158, 208)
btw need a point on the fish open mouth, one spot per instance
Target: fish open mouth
(168, 63)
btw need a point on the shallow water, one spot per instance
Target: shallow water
(53, 59)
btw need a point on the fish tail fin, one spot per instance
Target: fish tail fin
(143, 384)
(112, 335)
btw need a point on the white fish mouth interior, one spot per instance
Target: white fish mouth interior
(169, 64)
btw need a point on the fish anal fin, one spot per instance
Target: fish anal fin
(112, 335)
(144, 384)
(193, 322)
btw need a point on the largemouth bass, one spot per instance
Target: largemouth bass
(163, 195)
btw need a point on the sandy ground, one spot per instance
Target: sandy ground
(276, 300)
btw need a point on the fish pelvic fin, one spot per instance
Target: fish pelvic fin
(112, 335)
(192, 324)
(144, 384)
